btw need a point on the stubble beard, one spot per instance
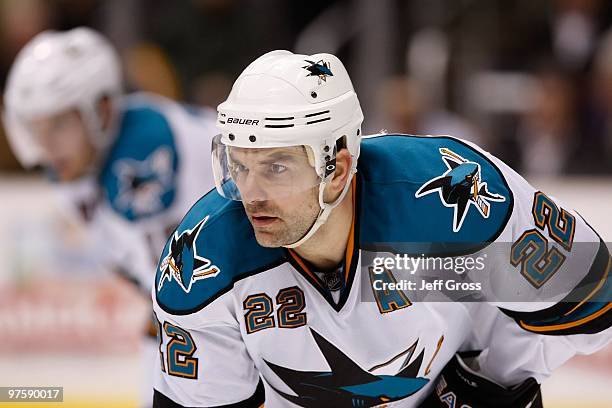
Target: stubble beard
(292, 225)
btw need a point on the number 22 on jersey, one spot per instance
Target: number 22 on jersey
(179, 360)
(538, 262)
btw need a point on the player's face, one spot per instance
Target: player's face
(66, 147)
(279, 190)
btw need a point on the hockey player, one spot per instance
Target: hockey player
(128, 166)
(263, 287)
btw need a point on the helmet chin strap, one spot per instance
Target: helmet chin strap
(324, 212)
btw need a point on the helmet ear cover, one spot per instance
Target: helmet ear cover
(310, 155)
(341, 143)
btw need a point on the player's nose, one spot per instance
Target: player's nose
(251, 190)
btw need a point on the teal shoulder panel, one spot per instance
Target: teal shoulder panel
(140, 173)
(212, 248)
(430, 190)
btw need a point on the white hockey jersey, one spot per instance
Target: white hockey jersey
(236, 318)
(156, 168)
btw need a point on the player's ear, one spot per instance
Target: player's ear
(104, 111)
(340, 176)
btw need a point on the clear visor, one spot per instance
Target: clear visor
(259, 174)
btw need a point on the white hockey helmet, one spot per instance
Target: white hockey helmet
(286, 100)
(54, 72)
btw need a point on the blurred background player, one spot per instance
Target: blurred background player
(128, 166)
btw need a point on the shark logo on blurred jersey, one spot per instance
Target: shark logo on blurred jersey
(346, 384)
(320, 69)
(459, 187)
(182, 263)
(143, 184)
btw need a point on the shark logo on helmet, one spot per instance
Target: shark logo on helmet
(460, 186)
(182, 263)
(320, 69)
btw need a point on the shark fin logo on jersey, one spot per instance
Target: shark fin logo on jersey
(142, 185)
(320, 69)
(459, 187)
(182, 263)
(347, 384)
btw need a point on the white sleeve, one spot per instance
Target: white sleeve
(553, 277)
(121, 246)
(194, 129)
(125, 248)
(204, 361)
(550, 279)
(511, 354)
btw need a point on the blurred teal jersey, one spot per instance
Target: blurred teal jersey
(155, 169)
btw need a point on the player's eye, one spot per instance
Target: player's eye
(239, 168)
(276, 168)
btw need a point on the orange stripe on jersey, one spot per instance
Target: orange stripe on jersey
(350, 246)
(440, 341)
(567, 325)
(302, 264)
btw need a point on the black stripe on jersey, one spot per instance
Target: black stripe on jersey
(254, 401)
(567, 317)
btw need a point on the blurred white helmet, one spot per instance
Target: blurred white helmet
(284, 100)
(55, 72)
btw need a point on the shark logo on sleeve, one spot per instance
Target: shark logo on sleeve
(182, 263)
(144, 185)
(460, 187)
